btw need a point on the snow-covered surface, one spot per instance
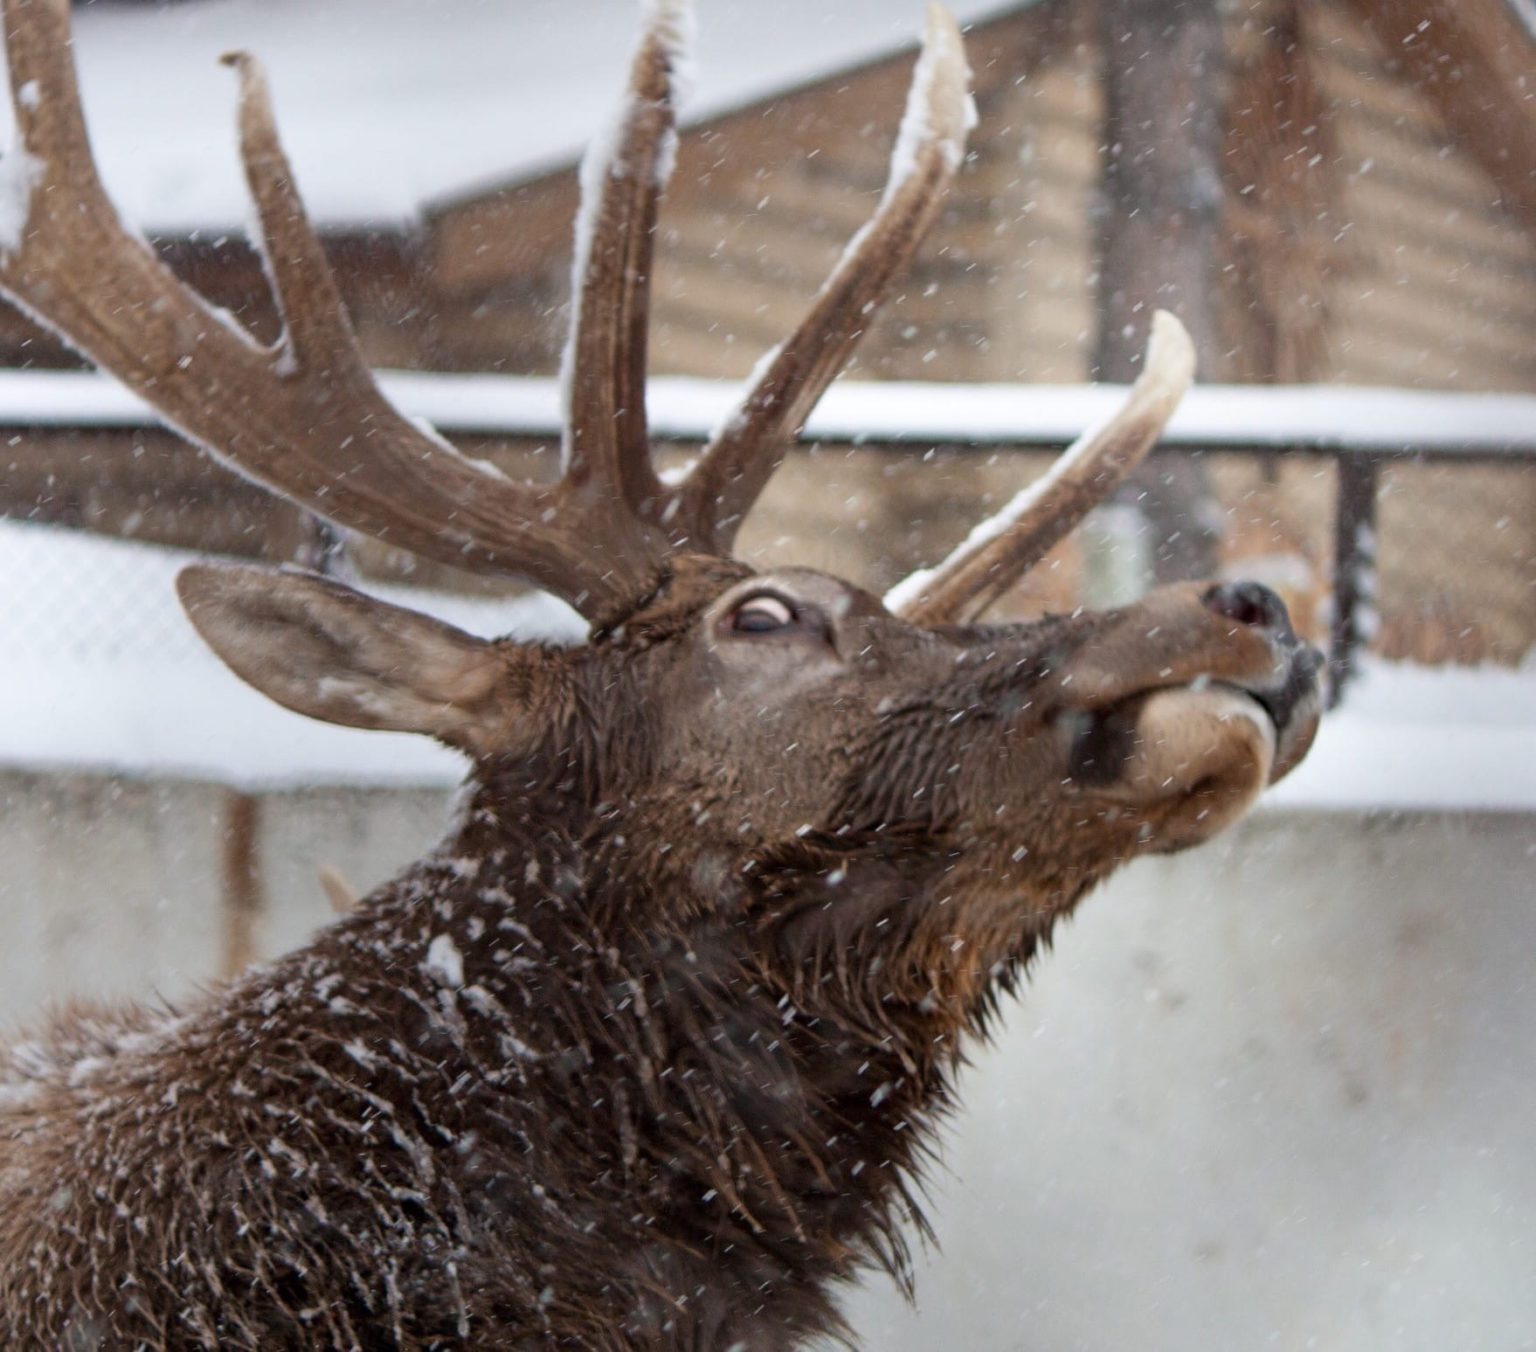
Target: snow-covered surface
(1423, 737)
(20, 172)
(940, 86)
(387, 106)
(1322, 416)
(102, 671)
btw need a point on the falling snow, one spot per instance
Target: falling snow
(444, 962)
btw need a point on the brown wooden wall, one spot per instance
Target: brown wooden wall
(1413, 271)
(1433, 285)
(764, 201)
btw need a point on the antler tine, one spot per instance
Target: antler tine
(304, 417)
(62, 180)
(607, 449)
(1002, 549)
(315, 324)
(752, 443)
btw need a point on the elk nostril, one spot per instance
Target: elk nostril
(1249, 603)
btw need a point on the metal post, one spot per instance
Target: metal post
(1161, 233)
(1354, 569)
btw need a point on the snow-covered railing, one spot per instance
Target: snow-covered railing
(1332, 418)
(1358, 427)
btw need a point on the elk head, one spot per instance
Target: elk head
(843, 778)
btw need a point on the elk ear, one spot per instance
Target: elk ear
(324, 650)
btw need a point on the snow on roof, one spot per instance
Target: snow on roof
(688, 409)
(387, 106)
(102, 672)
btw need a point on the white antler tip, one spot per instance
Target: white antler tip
(1170, 351)
(665, 12)
(671, 24)
(940, 24)
(944, 78)
(252, 77)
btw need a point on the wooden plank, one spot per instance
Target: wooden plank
(1387, 364)
(1401, 315)
(1372, 86)
(1282, 200)
(1391, 208)
(242, 898)
(1474, 60)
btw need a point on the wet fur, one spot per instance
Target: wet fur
(607, 1071)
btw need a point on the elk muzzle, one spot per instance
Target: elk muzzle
(1182, 707)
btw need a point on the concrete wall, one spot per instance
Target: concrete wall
(1277, 1093)
(114, 888)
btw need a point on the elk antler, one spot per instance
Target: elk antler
(1006, 546)
(305, 417)
(622, 178)
(752, 442)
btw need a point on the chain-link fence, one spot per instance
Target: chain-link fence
(83, 598)
(102, 669)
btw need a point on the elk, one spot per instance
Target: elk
(650, 1051)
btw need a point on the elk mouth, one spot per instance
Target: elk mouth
(1223, 651)
(1103, 735)
(1188, 740)
(1184, 760)
(1293, 707)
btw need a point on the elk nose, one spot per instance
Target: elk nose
(1251, 604)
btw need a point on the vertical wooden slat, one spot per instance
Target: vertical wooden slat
(1160, 235)
(1282, 176)
(240, 876)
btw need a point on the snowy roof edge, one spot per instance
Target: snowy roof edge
(692, 115)
(392, 111)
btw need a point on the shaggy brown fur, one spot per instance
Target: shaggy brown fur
(648, 1054)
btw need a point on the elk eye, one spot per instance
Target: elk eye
(761, 615)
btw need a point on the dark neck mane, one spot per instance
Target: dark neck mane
(515, 1094)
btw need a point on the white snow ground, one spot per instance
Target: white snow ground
(387, 106)
(101, 671)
